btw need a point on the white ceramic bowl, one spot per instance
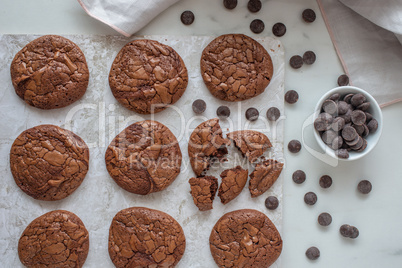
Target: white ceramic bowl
(372, 138)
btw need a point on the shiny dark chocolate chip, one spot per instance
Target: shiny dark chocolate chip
(294, 146)
(199, 106)
(308, 15)
(310, 198)
(337, 143)
(328, 136)
(299, 176)
(257, 26)
(326, 117)
(359, 129)
(335, 97)
(348, 97)
(338, 124)
(320, 125)
(187, 17)
(324, 219)
(358, 145)
(291, 96)
(368, 117)
(342, 107)
(342, 153)
(364, 187)
(372, 125)
(254, 5)
(252, 114)
(357, 99)
(329, 106)
(279, 29)
(325, 181)
(349, 133)
(271, 202)
(230, 4)
(309, 57)
(343, 80)
(296, 62)
(364, 106)
(353, 142)
(313, 253)
(345, 230)
(223, 111)
(273, 114)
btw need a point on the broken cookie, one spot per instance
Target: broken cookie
(233, 182)
(264, 176)
(252, 144)
(203, 190)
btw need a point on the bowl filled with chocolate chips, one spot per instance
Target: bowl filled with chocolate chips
(347, 123)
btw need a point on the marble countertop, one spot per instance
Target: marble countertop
(377, 215)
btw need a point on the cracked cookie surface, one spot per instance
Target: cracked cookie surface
(203, 190)
(206, 145)
(236, 67)
(233, 182)
(252, 144)
(143, 237)
(245, 238)
(264, 176)
(48, 162)
(147, 76)
(55, 239)
(144, 158)
(50, 72)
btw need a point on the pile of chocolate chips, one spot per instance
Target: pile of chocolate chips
(344, 123)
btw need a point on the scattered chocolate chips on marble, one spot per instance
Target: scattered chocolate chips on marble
(343, 80)
(310, 198)
(313, 253)
(187, 17)
(294, 146)
(273, 114)
(279, 29)
(230, 4)
(199, 106)
(308, 15)
(349, 231)
(364, 187)
(252, 114)
(254, 5)
(296, 62)
(257, 26)
(223, 112)
(324, 219)
(309, 57)
(299, 176)
(291, 96)
(325, 181)
(271, 203)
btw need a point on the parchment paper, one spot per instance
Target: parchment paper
(98, 118)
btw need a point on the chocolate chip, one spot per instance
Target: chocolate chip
(187, 17)
(271, 202)
(199, 106)
(358, 145)
(366, 130)
(257, 26)
(326, 117)
(296, 62)
(294, 146)
(364, 146)
(347, 117)
(223, 111)
(368, 117)
(343, 80)
(349, 133)
(359, 129)
(313, 253)
(230, 4)
(364, 187)
(279, 29)
(328, 136)
(273, 114)
(299, 176)
(372, 125)
(308, 15)
(353, 142)
(324, 219)
(345, 230)
(320, 125)
(254, 5)
(358, 117)
(338, 124)
(309, 57)
(357, 99)
(342, 153)
(310, 198)
(252, 114)
(342, 107)
(335, 97)
(364, 106)
(337, 143)
(329, 106)
(348, 97)
(291, 96)
(325, 181)
(355, 233)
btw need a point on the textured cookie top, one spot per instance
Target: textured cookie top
(50, 72)
(233, 182)
(206, 144)
(203, 190)
(55, 239)
(236, 67)
(142, 237)
(144, 158)
(251, 144)
(245, 238)
(48, 162)
(264, 176)
(146, 76)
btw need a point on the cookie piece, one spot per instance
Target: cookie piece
(55, 239)
(264, 176)
(245, 238)
(144, 158)
(252, 144)
(206, 145)
(143, 237)
(203, 190)
(233, 181)
(48, 162)
(50, 72)
(236, 67)
(147, 76)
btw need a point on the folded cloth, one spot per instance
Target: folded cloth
(365, 35)
(126, 17)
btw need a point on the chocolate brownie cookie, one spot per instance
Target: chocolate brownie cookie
(233, 181)
(206, 145)
(143, 237)
(251, 144)
(236, 67)
(245, 238)
(48, 162)
(147, 76)
(50, 72)
(55, 239)
(264, 176)
(203, 190)
(144, 158)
